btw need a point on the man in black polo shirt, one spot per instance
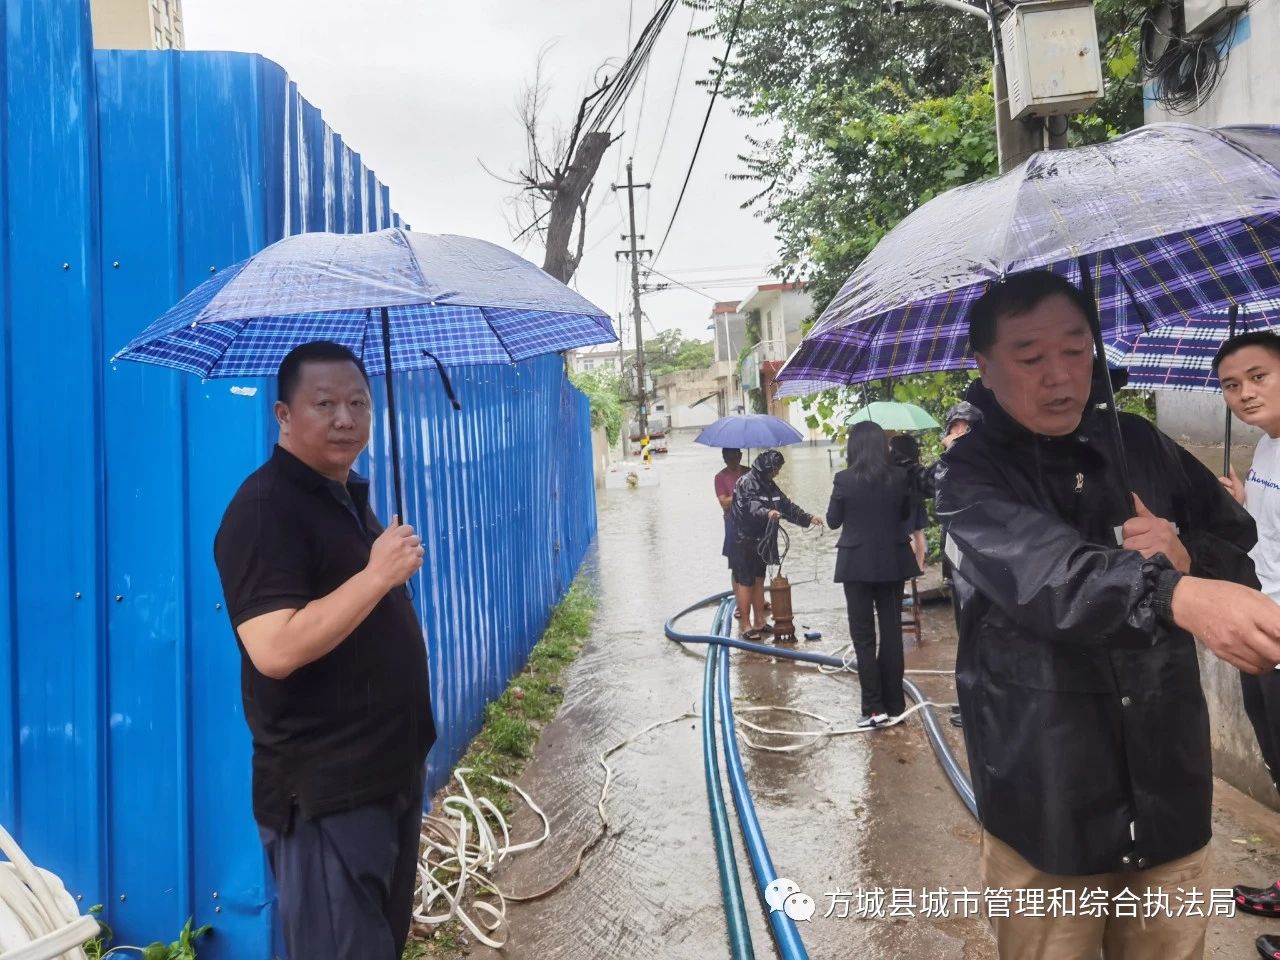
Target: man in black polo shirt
(333, 670)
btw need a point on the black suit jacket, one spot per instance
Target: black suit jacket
(871, 518)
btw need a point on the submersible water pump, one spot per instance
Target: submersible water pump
(784, 628)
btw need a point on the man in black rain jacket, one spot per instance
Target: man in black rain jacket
(1077, 671)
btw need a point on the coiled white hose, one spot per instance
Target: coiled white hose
(39, 920)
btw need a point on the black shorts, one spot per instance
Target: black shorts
(746, 564)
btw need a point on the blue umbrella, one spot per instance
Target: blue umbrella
(400, 301)
(752, 430)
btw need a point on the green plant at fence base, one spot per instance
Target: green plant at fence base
(184, 948)
(511, 728)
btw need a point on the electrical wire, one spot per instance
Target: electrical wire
(644, 94)
(603, 109)
(675, 92)
(715, 92)
(1185, 73)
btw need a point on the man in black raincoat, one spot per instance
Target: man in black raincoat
(1077, 671)
(758, 503)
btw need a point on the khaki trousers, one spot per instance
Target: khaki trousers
(1077, 936)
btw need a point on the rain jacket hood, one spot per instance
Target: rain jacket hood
(1085, 722)
(766, 463)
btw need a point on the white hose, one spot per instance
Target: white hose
(462, 849)
(39, 920)
(450, 859)
(453, 862)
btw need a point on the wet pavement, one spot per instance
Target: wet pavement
(857, 812)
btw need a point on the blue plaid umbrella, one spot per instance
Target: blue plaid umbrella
(1166, 223)
(400, 301)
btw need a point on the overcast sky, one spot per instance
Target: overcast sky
(426, 90)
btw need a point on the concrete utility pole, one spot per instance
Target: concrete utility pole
(635, 256)
(1015, 139)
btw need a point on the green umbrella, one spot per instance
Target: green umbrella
(895, 416)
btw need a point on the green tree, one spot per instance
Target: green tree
(669, 351)
(872, 114)
(604, 390)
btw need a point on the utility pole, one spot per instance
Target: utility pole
(635, 254)
(1015, 139)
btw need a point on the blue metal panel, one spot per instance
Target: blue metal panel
(223, 220)
(503, 495)
(54, 447)
(312, 162)
(9, 713)
(148, 673)
(124, 756)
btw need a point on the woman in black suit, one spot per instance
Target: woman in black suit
(870, 505)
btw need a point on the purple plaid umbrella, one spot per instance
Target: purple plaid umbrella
(1164, 224)
(1179, 356)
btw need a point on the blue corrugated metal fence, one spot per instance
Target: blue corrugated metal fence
(124, 757)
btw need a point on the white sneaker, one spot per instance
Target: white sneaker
(875, 720)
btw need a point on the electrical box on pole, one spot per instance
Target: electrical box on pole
(1052, 60)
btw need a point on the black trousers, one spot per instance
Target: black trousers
(345, 882)
(879, 670)
(1262, 703)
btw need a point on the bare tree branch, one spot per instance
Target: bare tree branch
(555, 179)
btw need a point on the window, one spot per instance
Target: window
(588, 364)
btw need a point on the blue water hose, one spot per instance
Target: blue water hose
(735, 909)
(933, 730)
(785, 934)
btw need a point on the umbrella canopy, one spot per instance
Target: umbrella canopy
(398, 300)
(1171, 221)
(456, 299)
(750, 431)
(1179, 356)
(903, 417)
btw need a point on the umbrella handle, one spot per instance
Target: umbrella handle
(391, 413)
(1095, 326)
(1232, 314)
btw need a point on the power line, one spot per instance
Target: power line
(717, 268)
(604, 110)
(650, 269)
(715, 92)
(675, 91)
(644, 93)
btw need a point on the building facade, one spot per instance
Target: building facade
(778, 311)
(728, 330)
(137, 25)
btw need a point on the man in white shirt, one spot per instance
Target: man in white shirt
(1248, 367)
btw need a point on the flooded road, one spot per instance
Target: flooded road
(855, 813)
